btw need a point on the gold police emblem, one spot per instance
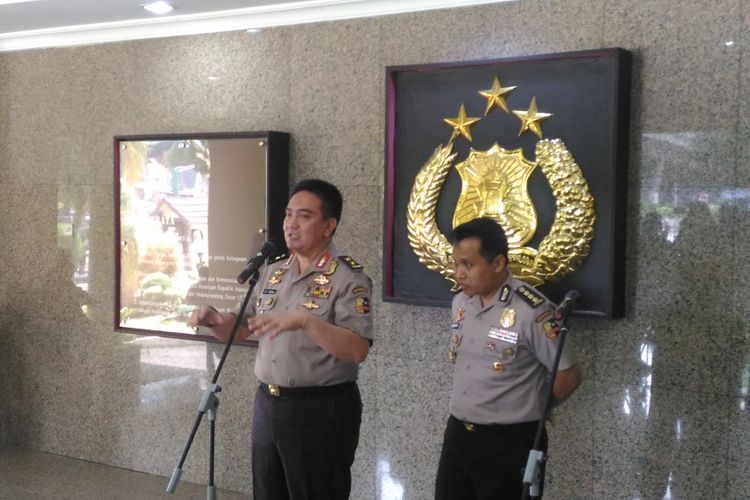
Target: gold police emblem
(494, 184)
(507, 318)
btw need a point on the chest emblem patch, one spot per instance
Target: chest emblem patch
(507, 318)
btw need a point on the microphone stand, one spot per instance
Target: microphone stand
(533, 472)
(210, 404)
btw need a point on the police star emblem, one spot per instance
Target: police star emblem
(494, 184)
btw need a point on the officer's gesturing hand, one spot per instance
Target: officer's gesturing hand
(205, 316)
(273, 324)
(220, 324)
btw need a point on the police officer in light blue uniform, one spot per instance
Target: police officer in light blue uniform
(311, 316)
(503, 344)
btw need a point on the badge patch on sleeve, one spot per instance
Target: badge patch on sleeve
(359, 289)
(543, 316)
(503, 334)
(362, 305)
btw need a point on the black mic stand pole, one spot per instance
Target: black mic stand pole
(533, 473)
(210, 404)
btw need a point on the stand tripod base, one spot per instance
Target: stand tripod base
(533, 473)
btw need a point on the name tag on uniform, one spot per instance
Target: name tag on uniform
(504, 335)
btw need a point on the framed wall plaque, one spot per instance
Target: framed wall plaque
(538, 143)
(190, 211)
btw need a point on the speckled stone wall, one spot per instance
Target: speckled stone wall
(663, 410)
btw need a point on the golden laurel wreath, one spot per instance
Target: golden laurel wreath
(559, 253)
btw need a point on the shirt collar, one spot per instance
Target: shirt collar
(318, 264)
(476, 302)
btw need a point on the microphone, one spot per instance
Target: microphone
(254, 264)
(567, 304)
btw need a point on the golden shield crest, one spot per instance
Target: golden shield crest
(494, 183)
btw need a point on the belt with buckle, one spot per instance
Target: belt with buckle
(495, 428)
(278, 391)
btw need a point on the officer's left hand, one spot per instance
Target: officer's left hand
(274, 324)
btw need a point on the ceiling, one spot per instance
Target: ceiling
(26, 24)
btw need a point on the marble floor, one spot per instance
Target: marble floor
(28, 474)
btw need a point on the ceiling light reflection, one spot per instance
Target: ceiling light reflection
(158, 8)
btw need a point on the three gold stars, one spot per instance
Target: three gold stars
(496, 96)
(461, 124)
(530, 119)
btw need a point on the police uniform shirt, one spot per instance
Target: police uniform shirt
(504, 353)
(335, 289)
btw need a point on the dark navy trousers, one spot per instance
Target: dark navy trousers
(484, 462)
(303, 442)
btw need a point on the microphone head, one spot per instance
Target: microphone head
(267, 249)
(573, 295)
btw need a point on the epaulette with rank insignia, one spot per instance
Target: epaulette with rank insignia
(353, 264)
(530, 296)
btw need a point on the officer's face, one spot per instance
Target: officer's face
(305, 230)
(474, 274)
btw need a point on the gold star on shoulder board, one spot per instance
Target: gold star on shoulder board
(496, 96)
(461, 124)
(530, 119)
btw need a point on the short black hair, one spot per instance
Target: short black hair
(331, 201)
(490, 234)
